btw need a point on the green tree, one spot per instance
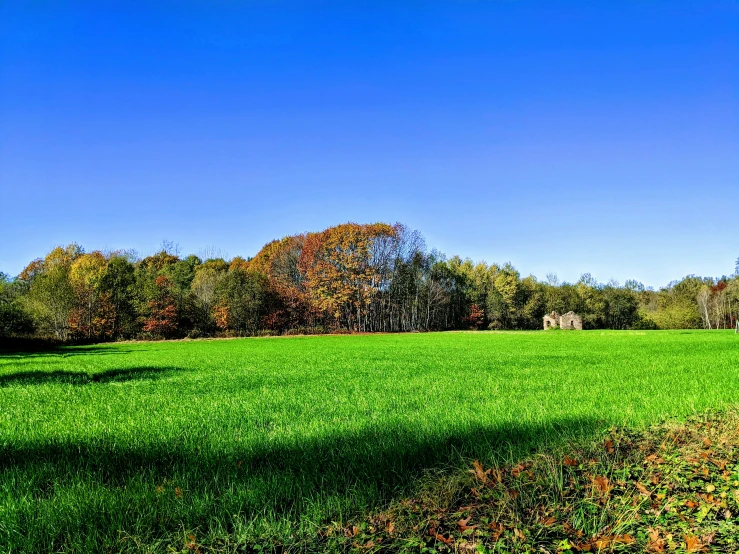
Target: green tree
(14, 320)
(118, 283)
(240, 301)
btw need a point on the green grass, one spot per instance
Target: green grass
(249, 442)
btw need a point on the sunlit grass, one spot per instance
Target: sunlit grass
(135, 446)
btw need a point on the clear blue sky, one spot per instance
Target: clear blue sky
(560, 136)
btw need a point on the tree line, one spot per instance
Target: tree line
(347, 278)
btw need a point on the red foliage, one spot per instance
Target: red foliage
(162, 320)
(721, 285)
(476, 316)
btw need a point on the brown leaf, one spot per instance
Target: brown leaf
(178, 492)
(602, 485)
(693, 544)
(655, 459)
(707, 442)
(721, 464)
(643, 490)
(497, 530)
(609, 446)
(610, 541)
(479, 472)
(462, 524)
(442, 538)
(516, 471)
(656, 543)
(548, 522)
(572, 462)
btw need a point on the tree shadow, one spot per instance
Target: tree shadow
(41, 377)
(61, 352)
(289, 476)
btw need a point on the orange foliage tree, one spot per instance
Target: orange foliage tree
(341, 270)
(162, 319)
(94, 312)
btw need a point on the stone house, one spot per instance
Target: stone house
(570, 320)
(551, 321)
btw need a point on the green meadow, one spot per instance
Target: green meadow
(259, 443)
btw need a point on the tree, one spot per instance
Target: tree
(204, 288)
(340, 275)
(117, 282)
(51, 297)
(14, 320)
(94, 313)
(240, 301)
(622, 308)
(162, 317)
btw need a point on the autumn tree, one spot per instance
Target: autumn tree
(287, 304)
(94, 313)
(339, 270)
(161, 320)
(51, 298)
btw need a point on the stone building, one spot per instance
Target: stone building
(570, 320)
(551, 321)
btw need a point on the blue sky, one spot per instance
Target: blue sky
(563, 137)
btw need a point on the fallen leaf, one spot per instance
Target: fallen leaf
(516, 471)
(656, 543)
(643, 490)
(693, 544)
(602, 484)
(548, 522)
(439, 536)
(479, 472)
(462, 524)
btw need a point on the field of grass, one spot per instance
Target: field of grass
(262, 442)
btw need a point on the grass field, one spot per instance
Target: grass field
(250, 442)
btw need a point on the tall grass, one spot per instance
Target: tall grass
(137, 446)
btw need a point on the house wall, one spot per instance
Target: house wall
(551, 321)
(571, 321)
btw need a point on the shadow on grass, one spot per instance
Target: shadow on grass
(382, 463)
(32, 356)
(83, 378)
